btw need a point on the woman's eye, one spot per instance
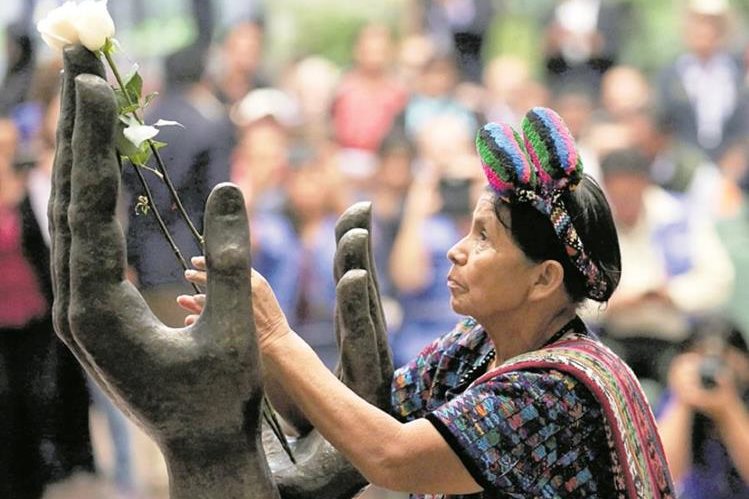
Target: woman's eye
(483, 235)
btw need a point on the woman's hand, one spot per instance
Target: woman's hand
(270, 321)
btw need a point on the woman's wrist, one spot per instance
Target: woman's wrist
(277, 344)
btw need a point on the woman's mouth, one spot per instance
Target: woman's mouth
(453, 285)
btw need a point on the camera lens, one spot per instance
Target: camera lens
(709, 369)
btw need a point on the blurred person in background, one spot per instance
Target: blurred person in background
(625, 91)
(682, 168)
(677, 268)
(367, 101)
(239, 63)
(394, 177)
(506, 80)
(702, 94)
(260, 161)
(735, 163)
(197, 158)
(437, 210)
(582, 40)
(414, 51)
(603, 136)
(312, 83)
(43, 398)
(435, 98)
(459, 27)
(19, 72)
(703, 417)
(316, 197)
(575, 104)
(260, 167)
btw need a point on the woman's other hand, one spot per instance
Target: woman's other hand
(270, 320)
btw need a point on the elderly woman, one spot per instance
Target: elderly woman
(520, 399)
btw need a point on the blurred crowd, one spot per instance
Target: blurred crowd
(396, 127)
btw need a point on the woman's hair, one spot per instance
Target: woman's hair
(591, 216)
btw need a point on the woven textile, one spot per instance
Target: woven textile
(534, 433)
(639, 463)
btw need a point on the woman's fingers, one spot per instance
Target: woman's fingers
(191, 319)
(197, 276)
(198, 262)
(192, 303)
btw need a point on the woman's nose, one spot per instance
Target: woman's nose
(456, 255)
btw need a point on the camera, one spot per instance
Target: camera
(456, 196)
(713, 334)
(709, 369)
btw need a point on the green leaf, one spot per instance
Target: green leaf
(122, 103)
(125, 147)
(134, 85)
(128, 109)
(141, 156)
(147, 100)
(110, 46)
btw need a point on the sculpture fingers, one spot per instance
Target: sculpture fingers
(77, 61)
(227, 248)
(108, 317)
(359, 360)
(321, 471)
(359, 215)
(354, 251)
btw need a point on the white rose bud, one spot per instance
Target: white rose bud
(94, 24)
(58, 26)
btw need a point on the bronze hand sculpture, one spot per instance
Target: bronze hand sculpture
(196, 390)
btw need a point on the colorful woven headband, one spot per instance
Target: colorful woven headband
(537, 169)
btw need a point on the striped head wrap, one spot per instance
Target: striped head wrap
(538, 168)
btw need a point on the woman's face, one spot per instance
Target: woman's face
(490, 276)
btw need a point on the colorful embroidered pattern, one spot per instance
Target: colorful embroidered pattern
(525, 434)
(538, 169)
(552, 150)
(639, 460)
(504, 160)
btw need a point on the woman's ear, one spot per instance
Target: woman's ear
(548, 280)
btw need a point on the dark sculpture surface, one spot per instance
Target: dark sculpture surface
(196, 390)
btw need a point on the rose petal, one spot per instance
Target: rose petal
(58, 26)
(168, 123)
(94, 24)
(140, 133)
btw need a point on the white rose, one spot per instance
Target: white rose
(94, 24)
(58, 26)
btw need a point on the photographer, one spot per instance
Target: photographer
(703, 420)
(437, 210)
